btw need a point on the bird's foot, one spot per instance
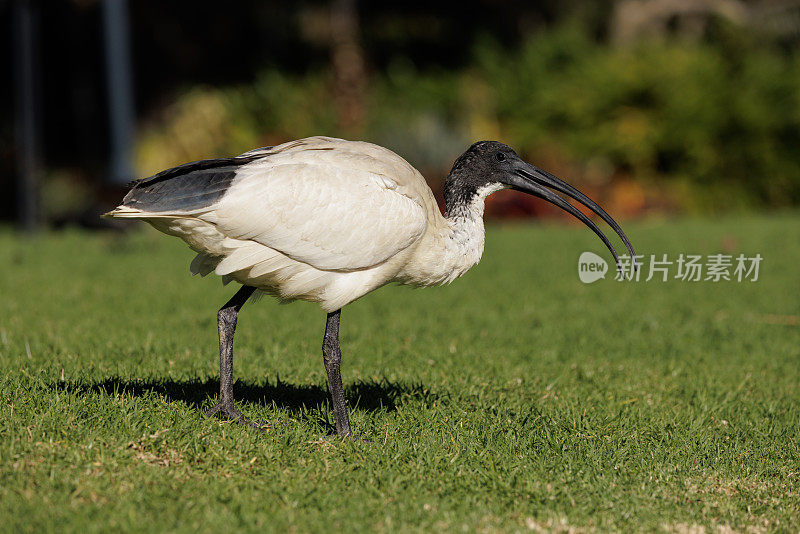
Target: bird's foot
(228, 412)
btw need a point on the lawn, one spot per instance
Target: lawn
(516, 399)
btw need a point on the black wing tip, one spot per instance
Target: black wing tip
(186, 168)
(188, 186)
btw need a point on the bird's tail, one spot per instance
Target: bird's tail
(126, 212)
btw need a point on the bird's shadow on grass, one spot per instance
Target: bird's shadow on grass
(370, 396)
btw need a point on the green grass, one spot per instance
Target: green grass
(515, 399)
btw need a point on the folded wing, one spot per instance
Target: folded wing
(326, 213)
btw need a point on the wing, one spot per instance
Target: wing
(332, 204)
(333, 213)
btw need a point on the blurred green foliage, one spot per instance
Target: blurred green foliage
(726, 123)
(711, 126)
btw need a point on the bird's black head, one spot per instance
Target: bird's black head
(478, 171)
(488, 166)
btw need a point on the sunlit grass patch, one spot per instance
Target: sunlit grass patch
(517, 399)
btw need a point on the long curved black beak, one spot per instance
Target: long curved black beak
(535, 181)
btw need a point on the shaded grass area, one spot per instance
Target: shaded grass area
(515, 399)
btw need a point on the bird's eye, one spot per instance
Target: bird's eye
(500, 156)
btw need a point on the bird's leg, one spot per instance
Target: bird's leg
(332, 356)
(226, 322)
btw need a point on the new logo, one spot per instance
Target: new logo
(591, 267)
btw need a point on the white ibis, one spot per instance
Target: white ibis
(328, 220)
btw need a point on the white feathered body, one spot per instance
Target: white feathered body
(326, 220)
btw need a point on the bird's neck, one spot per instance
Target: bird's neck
(455, 243)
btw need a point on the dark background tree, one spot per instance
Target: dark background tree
(179, 45)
